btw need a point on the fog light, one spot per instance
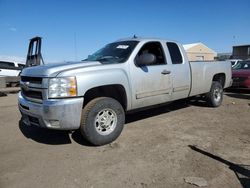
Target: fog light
(54, 123)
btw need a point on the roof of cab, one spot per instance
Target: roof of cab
(145, 39)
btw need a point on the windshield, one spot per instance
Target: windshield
(243, 65)
(117, 52)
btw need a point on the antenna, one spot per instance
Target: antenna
(75, 47)
(135, 37)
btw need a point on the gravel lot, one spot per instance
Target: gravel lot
(158, 148)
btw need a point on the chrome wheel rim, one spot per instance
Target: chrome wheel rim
(217, 94)
(105, 121)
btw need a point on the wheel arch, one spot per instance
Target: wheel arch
(115, 91)
(220, 77)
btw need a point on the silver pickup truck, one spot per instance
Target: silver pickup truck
(93, 95)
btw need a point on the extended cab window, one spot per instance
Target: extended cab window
(175, 53)
(154, 48)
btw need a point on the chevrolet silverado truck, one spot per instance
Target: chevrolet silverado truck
(94, 95)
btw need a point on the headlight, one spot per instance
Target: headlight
(62, 87)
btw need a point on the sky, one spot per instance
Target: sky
(73, 29)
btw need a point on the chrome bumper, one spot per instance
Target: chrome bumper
(63, 114)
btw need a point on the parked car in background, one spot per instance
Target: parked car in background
(9, 68)
(241, 75)
(234, 62)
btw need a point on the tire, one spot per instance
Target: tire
(102, 120)
(215, 97)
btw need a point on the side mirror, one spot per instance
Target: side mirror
(146, 59)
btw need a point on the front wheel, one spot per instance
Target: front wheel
(215, 96)
(102, 120)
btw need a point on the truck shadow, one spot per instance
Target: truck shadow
(77, 137)
(51, 137)
(242, 172)
(136, 116)
(165, 108)
(157, 110)
(45, 136)
(58, 137)
(239, 94)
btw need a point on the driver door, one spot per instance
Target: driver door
(151, 84)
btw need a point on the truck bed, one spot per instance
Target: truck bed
(202, 74)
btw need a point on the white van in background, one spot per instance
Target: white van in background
(10, 68)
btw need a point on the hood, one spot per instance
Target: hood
(53, 69)
(241, 73)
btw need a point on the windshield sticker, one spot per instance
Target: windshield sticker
(122, 47)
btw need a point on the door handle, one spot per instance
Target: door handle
(165, 72)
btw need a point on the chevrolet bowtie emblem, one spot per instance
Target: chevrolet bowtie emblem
(25, 85)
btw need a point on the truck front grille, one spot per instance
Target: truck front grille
(32, 94)
(32, 88)
(32, 80)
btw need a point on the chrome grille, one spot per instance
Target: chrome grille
(32, 94)
(32, 80)
(31, 88)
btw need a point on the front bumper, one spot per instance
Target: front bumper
(62, 114)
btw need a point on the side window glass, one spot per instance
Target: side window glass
(175, 53)
(154, 48)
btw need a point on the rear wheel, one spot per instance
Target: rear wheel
(215, 96)
(102, 120)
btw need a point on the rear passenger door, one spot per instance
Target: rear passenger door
(180, 71)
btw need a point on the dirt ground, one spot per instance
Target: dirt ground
(157, 148)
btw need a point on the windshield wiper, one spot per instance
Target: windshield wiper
(106, 58)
